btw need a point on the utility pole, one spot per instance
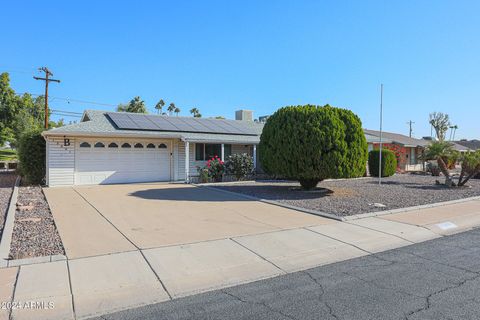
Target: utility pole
(411, 129)
(47, 80)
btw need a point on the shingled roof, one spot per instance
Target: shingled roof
(472, 144)
(397, 138)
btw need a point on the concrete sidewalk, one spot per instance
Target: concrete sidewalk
(89, 286)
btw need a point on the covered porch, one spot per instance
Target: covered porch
(200, 151)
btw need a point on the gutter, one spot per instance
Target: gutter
(107, 134)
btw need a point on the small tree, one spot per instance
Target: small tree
(31, 154)
(312, 143)
(239, 165)
(439, 151)
(440, 122)
(389, 163)
(470, 167)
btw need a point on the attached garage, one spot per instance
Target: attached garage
(122, 161)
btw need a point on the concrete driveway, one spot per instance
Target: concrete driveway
(138, 244)
(96, 220)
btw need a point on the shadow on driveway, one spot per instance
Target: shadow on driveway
(187, 194)
(278, 192)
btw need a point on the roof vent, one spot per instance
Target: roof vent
(244, 115)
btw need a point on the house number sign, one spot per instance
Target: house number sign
(66, 141)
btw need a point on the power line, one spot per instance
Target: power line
(66, 115)
(17, 70)
(64, 111)
(73, 100)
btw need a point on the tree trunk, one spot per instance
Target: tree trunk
(474, 173)
(446, 173)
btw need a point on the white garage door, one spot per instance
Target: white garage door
(106, 161)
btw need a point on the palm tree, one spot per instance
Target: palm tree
(171, 108)
(470, 167)
(136, 105)
(455, 127)
(177, 111)
(441, 151)
(159, 106)
(195, 112)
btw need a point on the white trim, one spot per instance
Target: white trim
(254, 156)
(223, 152)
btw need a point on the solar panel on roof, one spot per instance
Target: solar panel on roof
(130, 121)
(234, 126)
(143, 123)
(164, 124)
(199, 124)
(123, 121)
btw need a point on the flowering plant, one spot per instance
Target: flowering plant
(216, 168)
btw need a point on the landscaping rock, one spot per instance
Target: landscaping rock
(355, 196)
(34, 232)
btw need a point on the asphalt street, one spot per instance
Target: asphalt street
(438, 279)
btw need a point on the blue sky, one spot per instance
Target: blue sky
(220, 56)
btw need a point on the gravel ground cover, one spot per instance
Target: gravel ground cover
(354, 196)
(7, 181)
(34, 232)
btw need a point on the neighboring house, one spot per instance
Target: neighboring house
(407, 150)
(119, 147)
(471, 144)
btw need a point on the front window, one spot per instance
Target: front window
(205, 151)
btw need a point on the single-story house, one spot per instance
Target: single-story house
(407, 149)
(119, 147)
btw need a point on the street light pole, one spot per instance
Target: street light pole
(381, 122)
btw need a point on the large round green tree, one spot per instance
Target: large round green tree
(312, 143)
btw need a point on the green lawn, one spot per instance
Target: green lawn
(7, 154)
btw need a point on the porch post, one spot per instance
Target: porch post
(254, 157)
(187, 161)
(223, 153)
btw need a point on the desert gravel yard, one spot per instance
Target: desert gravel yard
(7, 181)
(354, 196)
(34, 232)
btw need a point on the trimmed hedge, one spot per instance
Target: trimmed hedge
(389, 162)
(312, 143)
(31, 154)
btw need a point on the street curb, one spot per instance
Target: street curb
(7, 233)
(275, 203)
(35, 260)
(399, 210)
